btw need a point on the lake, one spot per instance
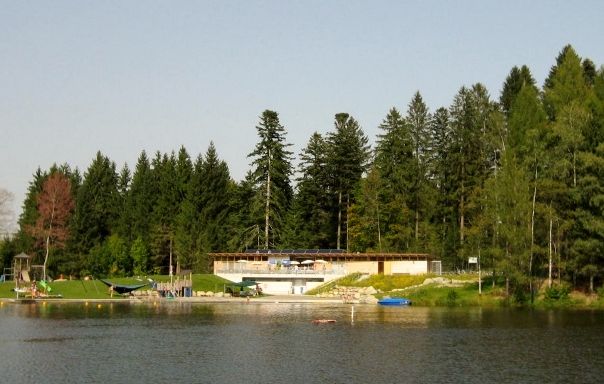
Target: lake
(171, 342)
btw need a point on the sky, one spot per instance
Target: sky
(120, 77)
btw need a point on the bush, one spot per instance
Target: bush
(557, 293)
(452, 297)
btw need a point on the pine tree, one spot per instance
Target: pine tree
(347, 161)
(29, 213)
(96, 207)
(309, 223)
(516, 80)
(188, 226)
(123, 225)
(271, 172)
(365, 230)
(141, 198)
(164, 212)
(395, 162)
(215, 199)
(420, 194)
(476, 129)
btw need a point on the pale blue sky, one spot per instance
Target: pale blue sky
(123, 76)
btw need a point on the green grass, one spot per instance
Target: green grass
(380, 282)
(464, 296)
(95, 289)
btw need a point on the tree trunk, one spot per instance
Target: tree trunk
(461, 215)
(549, 274)
(347, 220)
(416, 224)
(575, 169)
(591, 283)
(339, 219)
(479, 274)
(46, 256)
(532, 238)
(268, 202)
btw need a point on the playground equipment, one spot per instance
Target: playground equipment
(24, 273)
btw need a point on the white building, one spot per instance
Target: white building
(291, 271)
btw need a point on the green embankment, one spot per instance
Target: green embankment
(462, 290)
(95, 289)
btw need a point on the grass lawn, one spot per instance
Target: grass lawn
(95, 289)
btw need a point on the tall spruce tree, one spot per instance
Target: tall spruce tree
(141, 199)
(395, 162)
(309, 223)
(165, 209)
(347, 161)
(95, 213)
(271, 162)
(517, 78)
(188, 226)
(215, 199)
(441, 173)
(420, 195)
(29, 213)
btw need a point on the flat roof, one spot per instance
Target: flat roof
(317, 254)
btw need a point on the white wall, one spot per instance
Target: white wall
(409, 267)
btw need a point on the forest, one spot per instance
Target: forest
(517, 182)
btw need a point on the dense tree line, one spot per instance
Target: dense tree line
(517, 182)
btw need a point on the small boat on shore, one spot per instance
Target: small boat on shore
(394, 301)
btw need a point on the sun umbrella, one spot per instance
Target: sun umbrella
(307, 262)
(320, 261)
(242, 261)
(294, 262)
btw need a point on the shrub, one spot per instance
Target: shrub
(557, 293)
(452, 296)
(600, 292)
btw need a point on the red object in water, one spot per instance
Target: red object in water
(323, 321)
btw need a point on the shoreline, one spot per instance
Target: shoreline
(276, 299)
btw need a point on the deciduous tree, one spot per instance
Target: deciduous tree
(55, 206)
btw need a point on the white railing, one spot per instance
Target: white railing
(283, 271)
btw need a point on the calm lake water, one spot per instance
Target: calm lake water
(277, 343)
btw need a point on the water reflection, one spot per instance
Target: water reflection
(260, 343)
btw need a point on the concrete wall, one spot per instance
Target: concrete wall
(407, 267)
(370, 267)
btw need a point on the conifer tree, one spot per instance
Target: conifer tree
(271, 161)
(96, 207)
(29, 213)
(188, 226)
(418, 122)
(518, 78)
(309, 224)
(395, 162)
(141, 198)
(215, 199)
(347, 161)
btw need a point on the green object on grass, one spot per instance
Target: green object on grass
(45, 286)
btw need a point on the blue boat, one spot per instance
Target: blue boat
(394, 301)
